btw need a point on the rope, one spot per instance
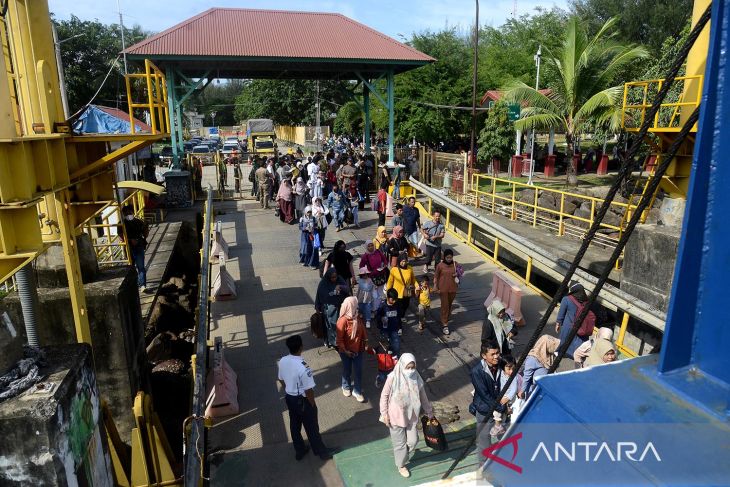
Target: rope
(624, 172)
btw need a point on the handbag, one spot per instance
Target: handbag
(433, 434)
(316, 243)
(407, 290)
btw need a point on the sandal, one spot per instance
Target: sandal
(446, 330)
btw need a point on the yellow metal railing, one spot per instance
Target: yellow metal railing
(505, 197)
(107, 232)
(667, 117)
(155, 88)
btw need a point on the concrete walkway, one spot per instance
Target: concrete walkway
(275, 300)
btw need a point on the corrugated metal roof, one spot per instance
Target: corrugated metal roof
(122, 115)
(257, 33)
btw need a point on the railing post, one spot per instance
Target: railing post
(561, 225)
(495, 256)
(534, 210)
(593, 211)
(513, 215)
(430, 206)
(468, 234)
(494, 191)
(528, 271)
(622, 335)
(448, 217)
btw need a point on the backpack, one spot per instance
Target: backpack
(589, 322)
(316, 325)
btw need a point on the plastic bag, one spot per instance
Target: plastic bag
(316, 243)
(517, 407)
(433, 434)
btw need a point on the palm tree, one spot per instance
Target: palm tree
(583, 98)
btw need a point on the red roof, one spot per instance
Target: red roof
(495, 95)
(237, 32)
(122, 115)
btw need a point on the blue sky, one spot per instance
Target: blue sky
(396, 18)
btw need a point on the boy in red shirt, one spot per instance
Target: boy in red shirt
(386, 362)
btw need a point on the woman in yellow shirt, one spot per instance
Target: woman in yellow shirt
(403, 280)
(381, 238)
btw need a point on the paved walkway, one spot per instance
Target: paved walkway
(275, 300)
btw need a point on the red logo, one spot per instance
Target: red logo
(489, 452)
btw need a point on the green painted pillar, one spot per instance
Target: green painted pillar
(171, 109)
(178, 118)
(391, 118)
(366, 106)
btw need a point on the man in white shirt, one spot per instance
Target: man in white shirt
(296, 378)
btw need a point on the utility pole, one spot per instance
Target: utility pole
(538, 56)
(472, 156)
(318, 130)
(121, 27)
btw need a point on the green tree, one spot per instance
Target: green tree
(218, 98)
(646, 22)
(349, 119)
(497, 137)
(585, 97)
(87, 58)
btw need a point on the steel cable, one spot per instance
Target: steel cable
(624, 172)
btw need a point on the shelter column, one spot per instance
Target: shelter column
(172, 108)
(366, 109)
(391, 120)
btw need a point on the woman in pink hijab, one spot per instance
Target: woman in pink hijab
(351, 342)
(286, 205)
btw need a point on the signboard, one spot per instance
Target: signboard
(213, 130)
(513, 110)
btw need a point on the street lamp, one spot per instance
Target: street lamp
(538, 56)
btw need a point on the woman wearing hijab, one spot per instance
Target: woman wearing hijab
(537, 363)
(568, 313)
(377, 266)
(446, 283)
(397, 245)
(341, 260)
(308, 255)
(351, 342)
(603, 352)
(582, 352)
(284, 198)
(403, 280)
(381, 239)
(320, 212)
(401, 402)
(331, 292)
(498, 327)
(300, 196)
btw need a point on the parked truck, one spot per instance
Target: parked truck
(261, 137)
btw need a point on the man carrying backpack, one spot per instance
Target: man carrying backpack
(571, 307)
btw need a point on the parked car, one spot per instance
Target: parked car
(204, 153)
(231, 149)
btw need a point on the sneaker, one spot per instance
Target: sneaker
(404, 472)
(359, 397)
(425, 271)
(400, 332)
(446, 330)
(367, 324)
(346, 392)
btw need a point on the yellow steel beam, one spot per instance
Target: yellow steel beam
(142, 186)
(110, 158)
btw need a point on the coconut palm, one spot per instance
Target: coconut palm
(583, 98)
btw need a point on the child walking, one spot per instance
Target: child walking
(365, 295)
(389, 320)
(386, 362)
(424, 302)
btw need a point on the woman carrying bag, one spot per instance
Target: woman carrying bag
(404, 282)
(446, 283)
(401, 402)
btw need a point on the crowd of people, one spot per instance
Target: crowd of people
(368, 302)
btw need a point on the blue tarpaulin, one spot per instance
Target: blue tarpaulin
(105, 120)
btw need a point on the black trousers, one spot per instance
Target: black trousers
(381, 219)
(302, 413)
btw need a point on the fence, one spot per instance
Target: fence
(562, 212)
(195, 442)
(300, 134)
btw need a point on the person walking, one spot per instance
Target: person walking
(382, 198)
(411, 222)
(337, 203)
(284, 199)
(397, 246)
(488, 380)
(433, 232)
(377, 266)
(381, 239)
(308, 254)
(320, 213)
(264, 183)
(401, 401)
(298, 382)
(498, 326)
(301, 196)
(446, 284)
(404, 282)
(331, 292)
(537, 363)
(237, 176)
(341, 260)
(365, 295)
(252, 176)
(137, 232)
(568, 313)
(351, 342)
